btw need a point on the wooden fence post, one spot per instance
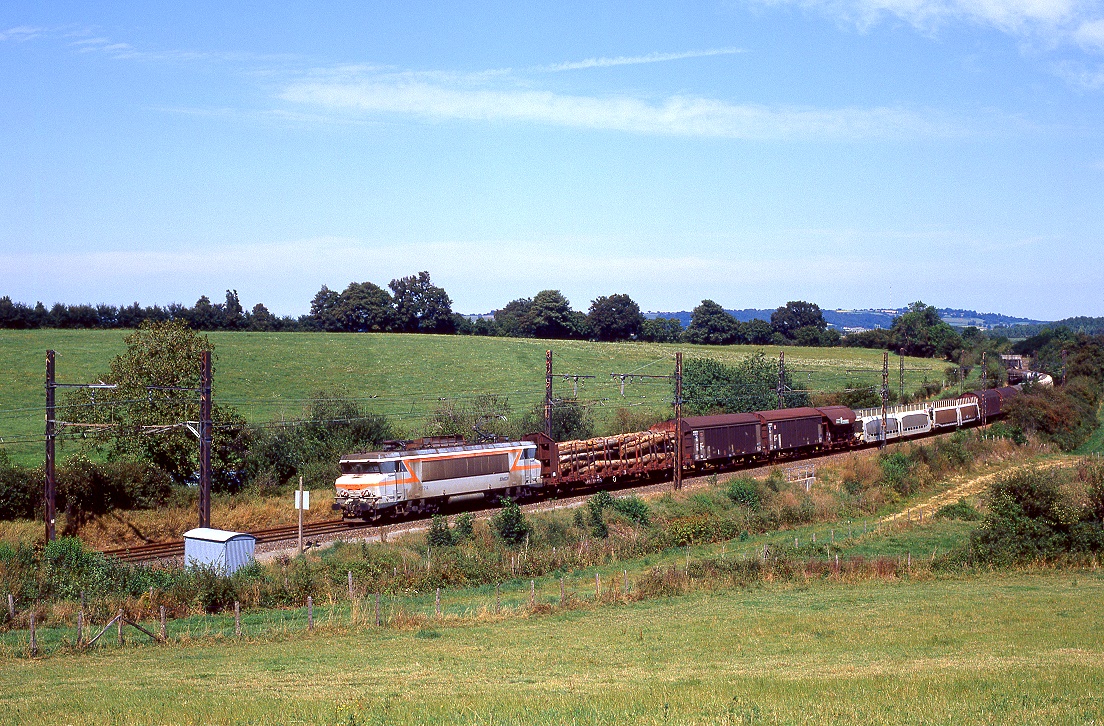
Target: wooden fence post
(532, 594)
(350, 576)
(11, 606)
(119, 622)
(437, 603)
(498, 598)
(625, 582)
(561, 592)
(310, 613)
(34, 638)
(80, 627)
(164, 630)
(237, 619)
(377, 610)
(597, 586)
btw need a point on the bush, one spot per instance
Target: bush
(464, 528)
(633, 508)
(745, 492)
(1003, 430)
(895, 471)
(959, 510)
(510, 524)
(87, 489)
(20, 490)
(1030, 518)
(595, 505)
(439, 534)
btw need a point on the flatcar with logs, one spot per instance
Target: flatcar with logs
(422, 475)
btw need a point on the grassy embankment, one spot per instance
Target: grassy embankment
(268, 376)
(1004, 648)
(916, 546)
(906, 646)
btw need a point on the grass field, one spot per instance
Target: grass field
(1095, 444)
(267, 376)
(1019, 648)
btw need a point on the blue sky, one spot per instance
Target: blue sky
(854, 153)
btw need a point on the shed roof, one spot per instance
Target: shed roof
(214, 535)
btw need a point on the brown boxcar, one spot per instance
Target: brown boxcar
(989, 401)
(840, 423)
(714, 440)
(789, 430)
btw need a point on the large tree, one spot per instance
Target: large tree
(364, 307)
(711, 325)
(795, 315)
(421, 306)
(615, 317)
(511, 320)
(551, 316)
(661, 330)
(145, 418)
(922, 333)
(709, 387)
(322, 309)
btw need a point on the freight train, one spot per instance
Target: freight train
(421, 476)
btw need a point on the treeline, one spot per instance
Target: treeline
(204, 315)
(414, 304)
(1079, 324)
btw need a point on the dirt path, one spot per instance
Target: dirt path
(965, 485)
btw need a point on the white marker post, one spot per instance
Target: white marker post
(302, 501)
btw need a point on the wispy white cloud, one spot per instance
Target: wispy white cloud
(22, 32)
(1091, 34)
(635, 60)
(1070, 21)
(681, 115)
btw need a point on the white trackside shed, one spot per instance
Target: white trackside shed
(225, 551)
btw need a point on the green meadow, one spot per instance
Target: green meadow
(269, 376)
(1008, 648)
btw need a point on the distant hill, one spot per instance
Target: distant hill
(880, 318)
(1081, 324)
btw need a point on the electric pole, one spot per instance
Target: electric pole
(781, 379)
(205, 440)
(885, 396)
(901, 396)
(548, 393)
(678, 420)
(51, 481)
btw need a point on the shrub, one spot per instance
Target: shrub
(745, 492)
(633, 508)
(464, 527)
(20, 490)
(510, 524)
(959, 510)
(895, 471)
(1003, 430)
(595, 505)
(439, 534)
(1030, 518)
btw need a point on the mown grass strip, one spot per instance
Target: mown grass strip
(993, 648)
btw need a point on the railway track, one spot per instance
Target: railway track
(175, 549)
(335, 528)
